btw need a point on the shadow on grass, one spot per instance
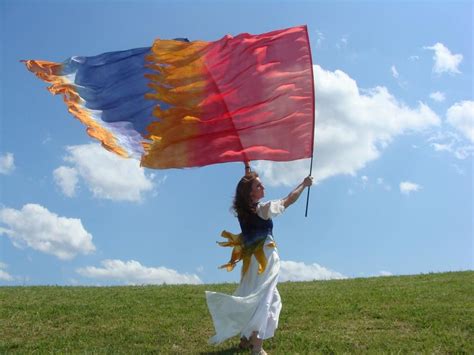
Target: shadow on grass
(232, 350)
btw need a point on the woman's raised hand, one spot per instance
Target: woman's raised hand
(308, 181)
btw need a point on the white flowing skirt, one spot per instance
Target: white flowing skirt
(255, 305)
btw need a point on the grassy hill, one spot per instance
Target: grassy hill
(431, 313)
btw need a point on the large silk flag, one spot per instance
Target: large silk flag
(185, 104)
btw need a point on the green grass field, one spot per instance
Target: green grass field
(431, 313)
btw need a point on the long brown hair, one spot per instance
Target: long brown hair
(243, 205)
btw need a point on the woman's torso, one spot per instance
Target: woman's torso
(255, 229)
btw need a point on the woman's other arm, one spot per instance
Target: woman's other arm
(295, 194)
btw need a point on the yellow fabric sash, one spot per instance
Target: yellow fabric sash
(240, 252)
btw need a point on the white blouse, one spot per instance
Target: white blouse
(270, 209)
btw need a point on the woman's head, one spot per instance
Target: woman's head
(248, 192)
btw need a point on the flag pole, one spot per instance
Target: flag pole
(248, 170)
(314, 120)
(309, 187)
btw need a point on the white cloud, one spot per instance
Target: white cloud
(458, 169)
(451, 142)
(444, 60)
(133, 273)
(352, 127)
(381, 182)
(106, 175)
(438, 96)
(36, 227)
(365, 181)
(461, 116)
(385, 273)
(7, 163)
(441, 147)
(342, 43)
(5, 276)
(402, 83)
(66, 178)
(464, 152)
(414, 58)
(407, 187)
(73, 281)
(319, 38)
(460, 152)
(47, 139)
(299, 271)
(394, 72)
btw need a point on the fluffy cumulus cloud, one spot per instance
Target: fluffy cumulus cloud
(4, 275)
(437, 96)
(35, 227)
(105, 174)
(7, 163)
(299, 271)
(444, 60)
(133, 273)
(461, 117)
(407, 187)
(66, 178)
(352, 128)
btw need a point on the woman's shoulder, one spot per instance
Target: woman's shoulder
(270, 209)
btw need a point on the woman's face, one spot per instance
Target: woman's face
(258, 190)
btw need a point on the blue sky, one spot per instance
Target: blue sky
(394, 149)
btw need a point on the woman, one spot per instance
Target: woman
(254, 309)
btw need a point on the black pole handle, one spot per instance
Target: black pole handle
(309, 187)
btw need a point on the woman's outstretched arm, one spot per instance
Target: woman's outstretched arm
(295, 194)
